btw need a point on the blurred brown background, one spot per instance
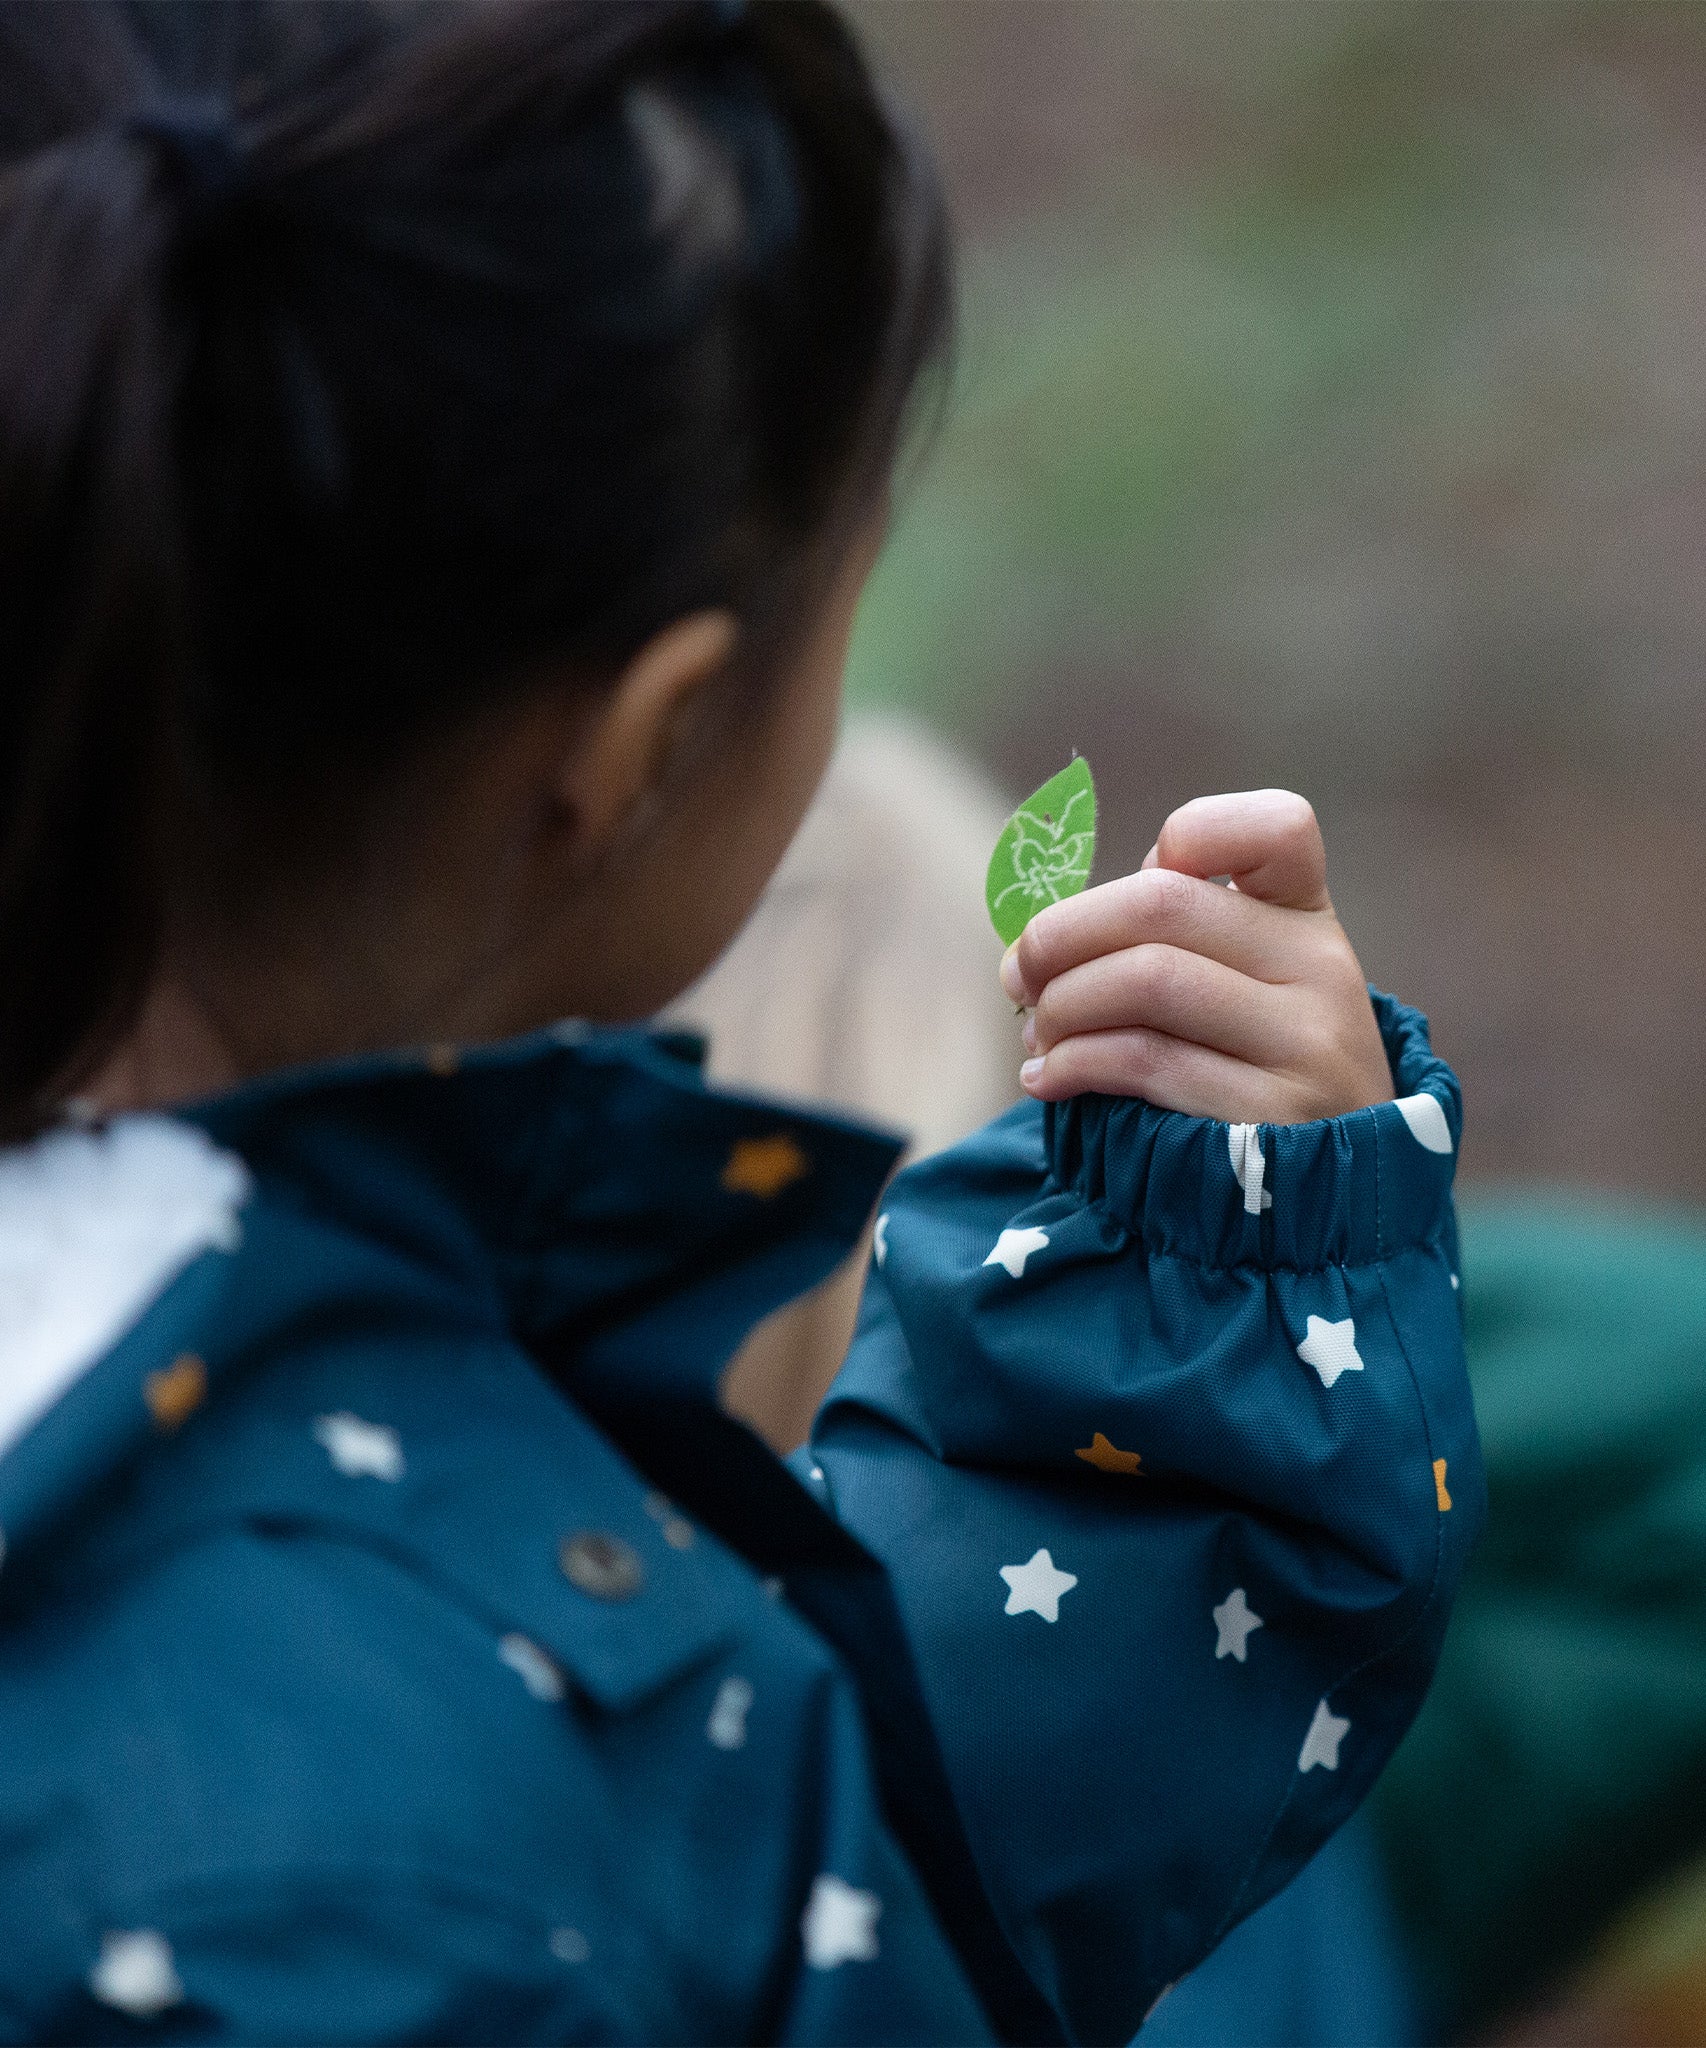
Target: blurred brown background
(1332, 412)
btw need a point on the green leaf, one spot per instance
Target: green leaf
(1044, 852)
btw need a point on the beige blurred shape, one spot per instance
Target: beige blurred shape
(865, 981)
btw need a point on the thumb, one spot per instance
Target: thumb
(1267, 840)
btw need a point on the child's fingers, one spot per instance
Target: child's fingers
(1153, 907)
(1267, 840)
(1169, 1072)
(1163, 988)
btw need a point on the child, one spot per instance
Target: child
(439, 456)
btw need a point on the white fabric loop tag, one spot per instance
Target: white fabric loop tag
(1244, 1142)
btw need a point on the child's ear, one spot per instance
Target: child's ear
(621, 752)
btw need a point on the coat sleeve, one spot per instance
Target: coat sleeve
(1163, 1431)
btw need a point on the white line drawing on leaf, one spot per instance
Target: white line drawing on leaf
(1043, 855)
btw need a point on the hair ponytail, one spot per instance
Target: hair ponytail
(88, 604)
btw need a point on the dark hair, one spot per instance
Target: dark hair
(356, 360)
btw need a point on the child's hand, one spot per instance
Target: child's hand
(1245, 1004)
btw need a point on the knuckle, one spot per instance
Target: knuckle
(1127, 896)
(1343, 994)
(1157, 975)
(1142, 1055)
(1322, 1080)
(1322, 1055)
(1327, 958)
(1311, 1100)
(1170, 897)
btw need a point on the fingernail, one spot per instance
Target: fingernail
(1011, 980)
(1030, 1073)
(1153, 857)
(1029, 1034)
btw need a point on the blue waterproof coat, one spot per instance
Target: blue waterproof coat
(398, 1644)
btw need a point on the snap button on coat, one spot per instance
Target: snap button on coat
(601, 1565)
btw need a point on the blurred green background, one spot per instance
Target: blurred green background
(1331, 411)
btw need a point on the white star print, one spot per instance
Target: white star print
(880, 1239)
(136, 1973)
(1233, 1623)
(1321, 1744)
(1426, 1118)
(1331, 1348)
(1243, 1141)
(531, 1665)
(360, 1449)
(726, 1728)
(1037, 1587)
(839, 1924)
(1014, 1247)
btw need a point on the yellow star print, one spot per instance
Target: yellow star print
(765, 1166)
(175, 1392)
(1439, 1487)
(1106, 1457)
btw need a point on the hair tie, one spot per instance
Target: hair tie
(206, 160)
